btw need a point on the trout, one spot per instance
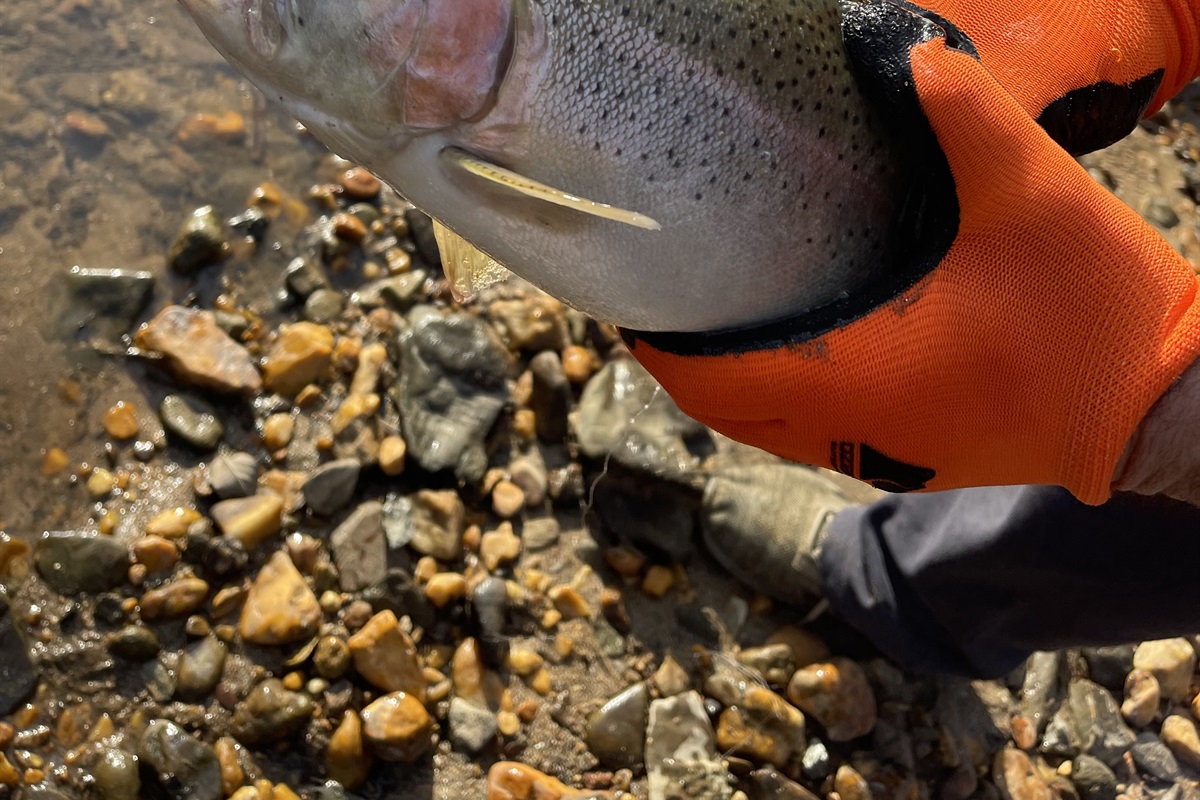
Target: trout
(663, 165)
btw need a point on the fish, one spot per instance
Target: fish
(661, 165)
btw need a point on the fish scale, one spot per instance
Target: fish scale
(735, 128)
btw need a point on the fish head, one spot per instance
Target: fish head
(367, 76)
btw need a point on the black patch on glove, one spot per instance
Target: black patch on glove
(1095, 116)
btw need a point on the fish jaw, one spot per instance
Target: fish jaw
(366, 76)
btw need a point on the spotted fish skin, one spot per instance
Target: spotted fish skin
(737, 126)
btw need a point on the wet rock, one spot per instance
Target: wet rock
(386, 656)
(396, 727)
(270, 713)
(1043, 688)
(1171, 661)
(115, 295)
(304, 277)
(80, 562)
(299, 356)
(250, 520)
(529, 473)
(510, 780)
(331, 658)
(331, 486)
(774, 662)
(1108, 666)
(837, 695)
(530, 323)
(359, 548)
(756, 722)
(815, 762)
(1093, 778)
(252, 222)
(451, 388)
(550, 397)
(1016, 777)
(1154, 758)
(625, 413)
(540, 533)
(323, 306)
(681, 758)
(401, 292)
(279, 608)
(767, 784)
(359, 184)
(1158, 210)
(175, 599)
(472, 727)
(616, 731)
(200, 669)
(1142, 696)
(1180, 734)
(199, 352)
(489, 606)
(187, 768)
(134, 643)
(116, 775)
(18, 676)
(192, 420)
(1091, 723)
(437, 518)
(346, 759)
(233, 474)
(850, 785)
(200, 242)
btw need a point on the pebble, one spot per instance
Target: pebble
(551, 397)
(437, 521)
(200, 669)
(250, 520)
(472, 727)
(155, 552)
(1109, 665)
(185, 766)
(616, 731)
(198, 243)
(529, 473)
(850, 785)
(80, 562)
(18, 675)
(507, 499)
(489, 605)
(331, 657)
(1016, 777)
(670, 678)
(1180, 734)
(54, 461)
(359, 184)
(392, 450)
(134, 643)
(1096, 726)
(444, 588)
(1093, 779)
(499, 546)
(204, 129)
(578, 364)
(346, 758)
(120, 421)
(359, 548)
(116, 775)
(175, 599)
(323, 306)
(199, 352)
(761, 726)
(270, 712)
(511, 780)
(300, 355)
(1154, 758)
(331, 486)
(569, 603)
(681, 750)
(232, 775)
(303, 277)
(816, 762)
(451, 389)
(101, 483)
(396, 727)
(1171, 661)
(837, 694)
(540, 534)
(114, 294)
(386, 656)
(277, 431)
(532, 323)
(1142, 696)
(279, 608)
(772, 661)
(233, 474)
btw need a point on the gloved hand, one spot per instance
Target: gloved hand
(1033, 319)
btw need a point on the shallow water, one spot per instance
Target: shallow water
(139, 68)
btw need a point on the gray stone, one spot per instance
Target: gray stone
(451, 388)
(1043, 687)
(1093, 778)
(616, 731)
(186, 768)
(472, 727)
(200, 242)
(134, 643)
(540, 533)
(233, 474)
(74, 562)
(401, 292)
(489, 603)
(359, 547)
(1092, 723)
(815, 761)
(1154, 758)
(192, 420)
(529, 472)
(681, 759)
(1158, 210)
(304, 277)
(18, 677)
(625, 414)
(323, 305)
(331, 486)
(116, 295)
(270, 713)
(200, 669)
(116, 775)
(1108, 666)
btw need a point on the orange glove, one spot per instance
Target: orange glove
(1032, 320)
